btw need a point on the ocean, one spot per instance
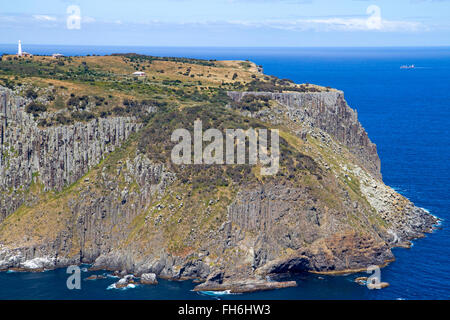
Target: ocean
(406, 112)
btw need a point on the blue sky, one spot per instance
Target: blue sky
(228, 22)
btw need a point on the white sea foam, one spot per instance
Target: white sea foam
(425, 209)
(217, 293)
(38, 263)
(112, 286)
(129, 286)
(439, 219)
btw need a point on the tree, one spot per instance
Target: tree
(31, 94)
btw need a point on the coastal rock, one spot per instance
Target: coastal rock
(127, 281)
(377, 286)
(38, 263)
(149, 278)
(245, 286)
(96, 277)
(361, 280)
(216, 277)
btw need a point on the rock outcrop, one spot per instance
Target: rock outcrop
(245, 286)
(329, 112)
(149, 278)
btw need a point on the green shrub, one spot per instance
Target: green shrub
(35, 108)
(31, 94)
(62, 119)
(83, 116)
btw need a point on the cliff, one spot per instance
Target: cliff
(105, 192)
(59, 156)
(329, 112)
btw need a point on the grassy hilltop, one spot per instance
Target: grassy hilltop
(70, 83)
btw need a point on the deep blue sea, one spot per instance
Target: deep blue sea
(405, 112)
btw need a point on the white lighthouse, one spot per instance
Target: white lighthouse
(19, 50)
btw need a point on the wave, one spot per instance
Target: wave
(216, 294)
(439, 223)
(129, 286)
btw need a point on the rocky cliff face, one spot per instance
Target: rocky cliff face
(290, 217)
(131, 213)
(59, 156)
(329, 112)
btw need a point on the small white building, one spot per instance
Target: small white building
(57, 55)
(139, 74)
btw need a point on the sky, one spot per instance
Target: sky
(227, 23)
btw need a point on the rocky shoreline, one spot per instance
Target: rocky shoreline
(215, 281)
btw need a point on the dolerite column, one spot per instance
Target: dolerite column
(3, 123)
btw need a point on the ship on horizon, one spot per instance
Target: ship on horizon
(407, 66)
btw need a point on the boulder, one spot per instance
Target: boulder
(245, 286)
(380, 285)
(125, 281)
(361, 280)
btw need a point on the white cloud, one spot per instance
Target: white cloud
(305, 24)
(335, 24)
(41, 17)
(356, 24)
(86, 19)
(8, 18)
(373, 21)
